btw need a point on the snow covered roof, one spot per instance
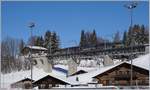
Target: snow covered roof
(142, 61)
(79, 72)
(54, 76)
(37, 47)
(26, 79)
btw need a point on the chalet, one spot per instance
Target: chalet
(35, 49)
(49, 81)
(120, 74)
(25, 84)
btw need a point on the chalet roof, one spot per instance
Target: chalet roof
(37, 74)
(123, 64)
(26, 79)
(141, 62)
(36, 47)
(62, 81)
(79, 72)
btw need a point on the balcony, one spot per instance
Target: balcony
(124, 76)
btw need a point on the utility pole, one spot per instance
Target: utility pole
(31, 26)
(130, 7)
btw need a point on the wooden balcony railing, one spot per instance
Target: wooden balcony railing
(124, 76)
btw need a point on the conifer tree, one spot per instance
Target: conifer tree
(54, 42)
(41, 41)
(94, 38)
(47, 41)
(125, 38)
(82, 39)
(129, 36)
(37, 41)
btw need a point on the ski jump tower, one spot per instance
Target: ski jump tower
(39, 59)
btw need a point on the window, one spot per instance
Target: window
(107, 82)
(116, 72)
(34, 62)
(128, 72)
(110, 82)
(42, 85)
(116, 82)
(50, 85)
(42, 61)
(120, 72)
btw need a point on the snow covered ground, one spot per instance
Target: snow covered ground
(7, 79)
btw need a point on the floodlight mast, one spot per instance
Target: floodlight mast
(31, 26)
(131, 6)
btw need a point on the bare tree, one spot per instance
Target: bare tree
(9, 50)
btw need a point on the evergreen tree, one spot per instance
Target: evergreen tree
(54, 43)
(125, 38)
(47, 41)
(37, 41)
(94, 38)
(136, 35)
(88, 39)
(41, 41)
(129, 36)
(144, 35)
(51, 42)
(82, 39)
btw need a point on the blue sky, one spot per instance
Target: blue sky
(69, 18)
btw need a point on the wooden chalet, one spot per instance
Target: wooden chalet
(25, 84)
(48, 82)
(120, 76)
